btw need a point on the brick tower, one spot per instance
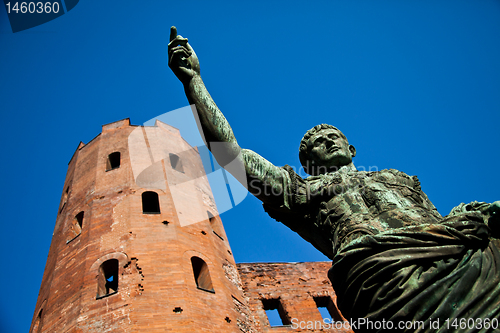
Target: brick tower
(133, 252)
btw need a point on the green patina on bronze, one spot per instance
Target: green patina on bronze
(395, 258)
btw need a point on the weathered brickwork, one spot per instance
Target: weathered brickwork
(116, 266)
(157, 291)
(295, 288)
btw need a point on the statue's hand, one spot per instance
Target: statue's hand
(182, 59)
(494, 219)
(494, 209)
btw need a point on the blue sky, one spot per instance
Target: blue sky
(414, 85)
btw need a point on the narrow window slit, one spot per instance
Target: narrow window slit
(150, 203)
(38, 323)
(64, 199)
(76, 227)
(216, 228)
(113, 161)
(107, 281)
(202, 274)
(275, 313)
(176, 162)
(327, 308)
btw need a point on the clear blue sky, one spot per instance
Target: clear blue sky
(414, 85)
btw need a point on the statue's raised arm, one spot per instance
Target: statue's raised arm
(260, 174)
(395, 258)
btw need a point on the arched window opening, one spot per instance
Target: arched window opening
(215, 227)
(275, 313)
(38, 323)
(150, 203)
(75, 228)
(211, 217)
(107, 280)
(176, 163)
(201, 274)
(113, 161)
(327, 308)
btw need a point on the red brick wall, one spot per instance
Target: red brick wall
(295, 285)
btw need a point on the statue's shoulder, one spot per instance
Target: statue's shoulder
(396, 177)
(393, 173)
(340, 176)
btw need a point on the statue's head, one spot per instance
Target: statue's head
(324, 149)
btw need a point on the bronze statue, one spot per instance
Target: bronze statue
(395, 258)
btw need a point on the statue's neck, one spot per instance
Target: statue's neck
(347, 168)
(343, 169)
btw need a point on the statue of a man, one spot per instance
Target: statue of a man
(395, 258)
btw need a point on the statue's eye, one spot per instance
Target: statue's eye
(318, 141)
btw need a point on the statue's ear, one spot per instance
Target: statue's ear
(352, 150)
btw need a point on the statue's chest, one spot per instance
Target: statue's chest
(360, 197)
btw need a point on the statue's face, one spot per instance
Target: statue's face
(330, 149)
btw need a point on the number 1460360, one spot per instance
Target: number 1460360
(32, 7)
(472, 323)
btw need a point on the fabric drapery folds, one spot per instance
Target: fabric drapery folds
(421, 273)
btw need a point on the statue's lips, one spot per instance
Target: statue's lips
(332, 149)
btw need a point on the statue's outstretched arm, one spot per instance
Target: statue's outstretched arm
(264, 179)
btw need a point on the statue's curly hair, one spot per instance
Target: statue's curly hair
(304, 157)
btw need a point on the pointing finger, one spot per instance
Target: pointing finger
(173, 33)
